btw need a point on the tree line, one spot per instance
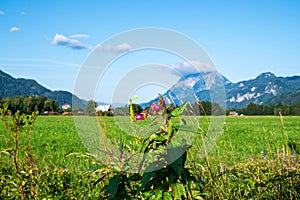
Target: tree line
(28, 104)
(211, 108)
(199, 108)
(268, 109)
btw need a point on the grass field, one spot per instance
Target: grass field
(252, 156)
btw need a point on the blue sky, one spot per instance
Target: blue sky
(49, 40)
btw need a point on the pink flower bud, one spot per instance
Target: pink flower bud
(138, 117)
(123, 155)
(155, 107)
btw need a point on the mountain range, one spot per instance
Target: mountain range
(266, 88)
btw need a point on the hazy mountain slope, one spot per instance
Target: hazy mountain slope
(11, 86)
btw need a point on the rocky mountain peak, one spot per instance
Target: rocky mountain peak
(266, 75)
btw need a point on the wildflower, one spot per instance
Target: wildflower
(223, 166)
(293, 161)
(292, 155)
(138, 117)
(122, 156)
(155, 107)
(264, 157)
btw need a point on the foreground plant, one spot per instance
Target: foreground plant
(17, 125)
(164, 177)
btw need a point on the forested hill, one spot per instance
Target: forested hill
(11, 87)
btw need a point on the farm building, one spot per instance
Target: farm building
(65, 106)
(233, 114)
(103, 108)
(50, 113)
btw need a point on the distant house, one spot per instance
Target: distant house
(233, 114)
(79, 113)
(65, 106)
(50, 113)
(103, 108)
(72, 113)
(67, 113)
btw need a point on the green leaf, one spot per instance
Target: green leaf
(167, 195)
(178, 111)
(145, 179)
(172, 177)
(170, 131)
(177, 165)
(160, 138)
(188, 177)
(148, 194)
(116, 169)
(134, 177)
(158, 194)
(178, 190)
(112, 187)
(100, 179)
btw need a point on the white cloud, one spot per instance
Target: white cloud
(123, 47)
(191, 67)
(1, 12)
(14, 29)
(118, 48)
(71, 42)
(61, 40)
(79, 36)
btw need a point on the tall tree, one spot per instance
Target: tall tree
(51, 105)
(90, 108)
(251, 109)
(137, 108)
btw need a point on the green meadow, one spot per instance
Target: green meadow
(254, 157)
